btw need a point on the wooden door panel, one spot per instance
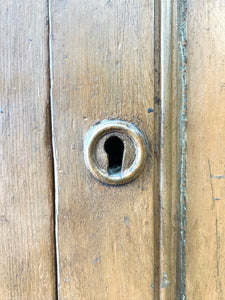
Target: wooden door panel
(27, 261)
(102, 67)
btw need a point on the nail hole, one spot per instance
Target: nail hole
(114, 147)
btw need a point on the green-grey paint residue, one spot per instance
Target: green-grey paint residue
(165, 282)
(126, 221)
(181, 270)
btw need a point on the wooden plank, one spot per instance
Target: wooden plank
(27, 267)
(102, 67)
(205, 237)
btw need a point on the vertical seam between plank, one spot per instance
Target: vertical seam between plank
(157, 124)
(54, 151)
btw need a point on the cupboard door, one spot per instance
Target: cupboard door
(27, 260)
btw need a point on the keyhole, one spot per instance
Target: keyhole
(114, 148)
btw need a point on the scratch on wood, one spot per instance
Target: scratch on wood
(211, 182)
(96, 260)
(123, 31)
(217, 176)
(210, 175)
(218, 282)
(217, 249)
(126, 221)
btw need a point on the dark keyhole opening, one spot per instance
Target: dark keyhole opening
(114, 148)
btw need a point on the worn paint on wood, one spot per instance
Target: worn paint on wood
(27, 262)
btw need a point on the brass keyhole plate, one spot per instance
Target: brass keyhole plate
(96, 158)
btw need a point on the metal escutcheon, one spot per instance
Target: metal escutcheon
(114, 151)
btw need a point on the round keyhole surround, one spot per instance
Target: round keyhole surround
(109, 141)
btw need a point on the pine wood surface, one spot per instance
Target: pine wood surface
(27, 261)
(66, 65)
(205, 238)
(102, 67)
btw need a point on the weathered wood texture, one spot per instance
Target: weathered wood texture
(102, 67)
(205, 237)
(26, 206)
(112, 242)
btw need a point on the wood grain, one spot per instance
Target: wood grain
(167, 164)
(102, 67)
(205, 238)
(27, 266)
